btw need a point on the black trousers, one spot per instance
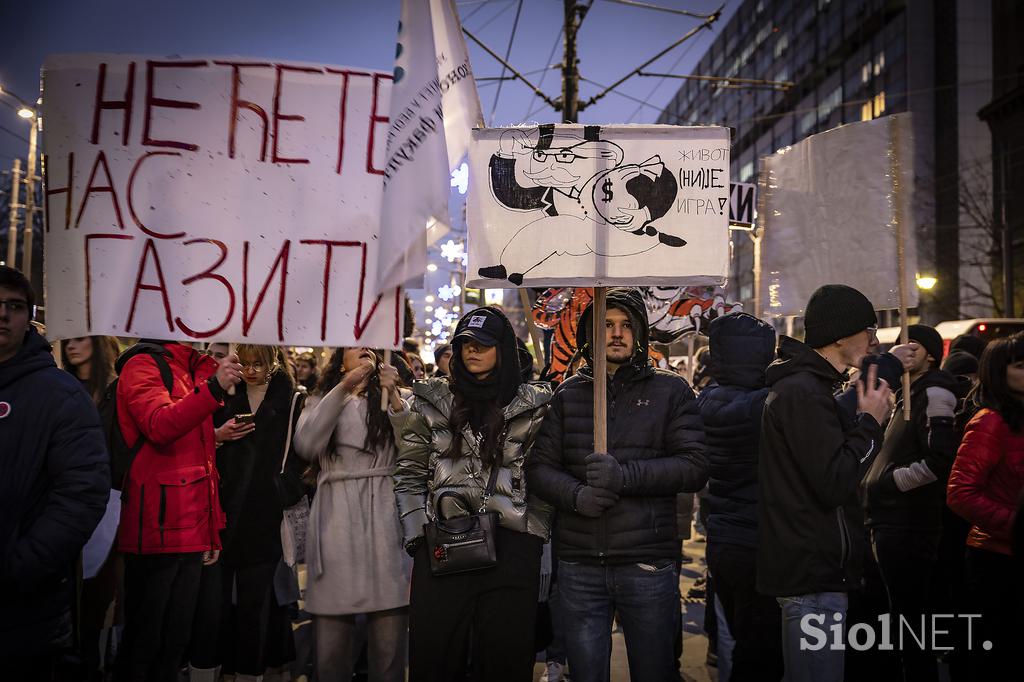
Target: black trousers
(994, 585)
(480, 622)
(906, 559)
(238, 622)
(160, 601)
(755, 620)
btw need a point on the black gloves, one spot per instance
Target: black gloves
(414, 545)
(604, 471)
(592, 502)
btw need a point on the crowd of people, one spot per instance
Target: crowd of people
(455, 520)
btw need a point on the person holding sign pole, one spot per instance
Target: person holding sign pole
(813, 456)
(463, 446)
(616, 535)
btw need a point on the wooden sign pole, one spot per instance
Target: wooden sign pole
(901, 256)
(538, 345)
(599, 354)
(384, 392)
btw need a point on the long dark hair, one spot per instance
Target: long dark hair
(485, 416)
(105, 350)
(379, 434)
(992, 391)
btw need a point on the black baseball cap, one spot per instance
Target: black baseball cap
(482, 325)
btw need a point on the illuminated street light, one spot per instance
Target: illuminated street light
(431, 267)
(926, 282)
(25, 112)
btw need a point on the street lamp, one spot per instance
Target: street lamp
(926, 282)
(27, 113)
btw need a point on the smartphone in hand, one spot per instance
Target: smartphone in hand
(246, 418)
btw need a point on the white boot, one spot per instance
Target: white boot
(203, 674)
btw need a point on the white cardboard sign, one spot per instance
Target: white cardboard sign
(567, 205)
(215, 198)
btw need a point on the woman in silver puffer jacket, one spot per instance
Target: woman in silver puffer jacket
(450, 437)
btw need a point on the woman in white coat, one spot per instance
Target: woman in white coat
(355, 559)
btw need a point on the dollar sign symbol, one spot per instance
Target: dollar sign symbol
(606, 187)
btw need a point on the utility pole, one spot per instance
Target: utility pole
(30, 199)
(570, 64)
(12, 229)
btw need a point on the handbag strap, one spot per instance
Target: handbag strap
(291, 423)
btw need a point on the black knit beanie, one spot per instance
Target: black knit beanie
(960, 363)
(929, 338)
(834, 312)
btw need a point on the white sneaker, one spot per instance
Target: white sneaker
(553, 673)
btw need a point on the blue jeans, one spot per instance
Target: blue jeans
(807, 636)
(645, 597)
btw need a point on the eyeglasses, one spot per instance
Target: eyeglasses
(253, 366)
(872, 330)
(14, 305)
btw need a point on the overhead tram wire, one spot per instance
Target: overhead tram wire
(558, 39)
(671, 10)
(508, 53)
(661, 82)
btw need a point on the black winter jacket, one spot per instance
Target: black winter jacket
(54, 487)
(654, 431)
(248, 468)
(742, 347)
(924, 449)
(813, 456)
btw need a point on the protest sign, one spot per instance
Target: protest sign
(215, 198)
(831, 216)
(742, 199)
(574, 205)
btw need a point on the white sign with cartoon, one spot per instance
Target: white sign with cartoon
(560, 205)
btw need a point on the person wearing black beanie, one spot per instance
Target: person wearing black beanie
(960, 363)
(905, 493)
(969, 343)
(812, 456)
(455, 436)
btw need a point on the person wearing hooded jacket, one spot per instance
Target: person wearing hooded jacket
(171, 515)
(742, 347)
(905, 492)
(616, 521)
(450, 436)
(812, 457)
(54, 485)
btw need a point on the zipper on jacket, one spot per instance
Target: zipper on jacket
(163, 511)
(844, 538)
(142, 511)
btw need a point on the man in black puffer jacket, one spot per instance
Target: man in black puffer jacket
(742, 347)
(616, 526)
(54, 486)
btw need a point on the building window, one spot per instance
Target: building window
(746, 171)
(865, 111)
(829, 103)
(865, 73)
(879, 103)
(781, 45)
(879, 63)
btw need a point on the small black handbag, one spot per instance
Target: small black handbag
(465, 543)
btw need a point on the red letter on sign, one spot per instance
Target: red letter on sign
(209, 274)
(161, 287)
(101, 158)
(278, 116)
(101, 104)
(237, 104)
(375, 119)
(152, 101)
(282, 261)
(343, 107)
(88, 272)
(131, 197)
(330, 244)
(50, 191)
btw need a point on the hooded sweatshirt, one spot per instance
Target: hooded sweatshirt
(812, 457)
(54, 486)
(655, 433)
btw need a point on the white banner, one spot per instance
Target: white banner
(831, 218)
(215, 198)
(598, 205)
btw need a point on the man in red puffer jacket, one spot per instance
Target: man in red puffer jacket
(171, 515)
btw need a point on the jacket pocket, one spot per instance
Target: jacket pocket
(184, 497)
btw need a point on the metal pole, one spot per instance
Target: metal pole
(1007, 239)
(901, 238)
(12, 229)
(30, 201)
(570, 77)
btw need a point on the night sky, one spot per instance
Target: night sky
(613, 40)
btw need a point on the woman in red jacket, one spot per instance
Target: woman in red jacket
(984, 487)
